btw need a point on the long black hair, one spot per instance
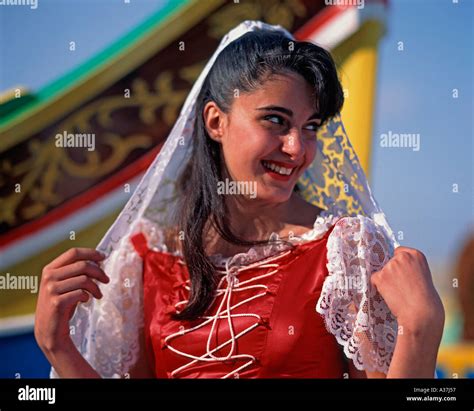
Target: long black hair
(243, 65)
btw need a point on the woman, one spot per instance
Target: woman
(247, 280)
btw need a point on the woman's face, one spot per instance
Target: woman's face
(269, 136)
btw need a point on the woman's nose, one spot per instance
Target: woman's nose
(293, 144)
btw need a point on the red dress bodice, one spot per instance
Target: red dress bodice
(274, 330)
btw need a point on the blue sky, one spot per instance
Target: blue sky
(414, 95)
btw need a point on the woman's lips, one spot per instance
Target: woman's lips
(275, 174)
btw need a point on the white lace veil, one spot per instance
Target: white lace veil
(106, 331)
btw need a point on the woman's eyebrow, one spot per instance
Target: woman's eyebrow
(287, 111)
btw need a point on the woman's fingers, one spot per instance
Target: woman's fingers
(80, 282)
(67, 302)
(68, 280)
(75, 254)
(81, 267)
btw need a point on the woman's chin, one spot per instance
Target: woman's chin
(275, 195)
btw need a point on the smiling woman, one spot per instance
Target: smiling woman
(261, 105)
(302, 280)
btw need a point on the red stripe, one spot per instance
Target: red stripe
(325, 16)
(92, 194)
(319, 20)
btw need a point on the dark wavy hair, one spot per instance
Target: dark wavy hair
(243, 65)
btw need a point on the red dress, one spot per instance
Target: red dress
(273, 330)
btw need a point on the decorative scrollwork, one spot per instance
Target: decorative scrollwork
(280, 12)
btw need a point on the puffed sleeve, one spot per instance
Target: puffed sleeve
(353, 310)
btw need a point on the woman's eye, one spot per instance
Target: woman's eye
(312, 127)
(275, 119)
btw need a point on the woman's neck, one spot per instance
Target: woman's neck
(255, 222)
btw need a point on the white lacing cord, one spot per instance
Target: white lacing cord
(233, 285)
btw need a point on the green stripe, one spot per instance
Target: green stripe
(9, 111)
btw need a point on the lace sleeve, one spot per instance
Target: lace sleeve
(353, 310)
(106, 332)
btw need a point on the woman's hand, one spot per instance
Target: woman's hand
(65, 281)
(406, 285)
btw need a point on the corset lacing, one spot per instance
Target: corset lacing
(232, 285)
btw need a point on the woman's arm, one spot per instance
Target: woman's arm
(65, 282)
(406, 285)
(395, 307)
(414, 356)
(416, 350)
(389, 316)
(69, 363)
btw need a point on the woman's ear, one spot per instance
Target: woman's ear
(214, 120)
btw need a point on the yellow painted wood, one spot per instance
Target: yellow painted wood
(356, 58)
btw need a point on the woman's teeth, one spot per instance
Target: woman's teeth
(277, 169)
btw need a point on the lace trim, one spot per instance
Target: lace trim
(106, 331)
(354, 311)
(321, 225)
